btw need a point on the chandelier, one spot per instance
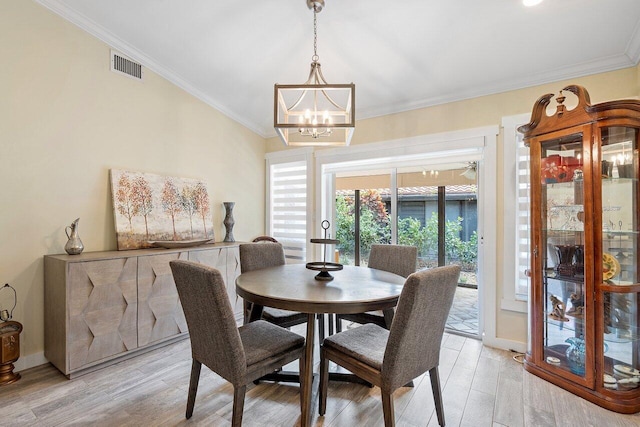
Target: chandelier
(314, 112)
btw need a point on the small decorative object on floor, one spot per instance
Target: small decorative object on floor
(74, 245)
(324, 267)
(9, 341)
(229, 221)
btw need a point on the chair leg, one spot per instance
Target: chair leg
(387, 409)
(246, 310)
(303, 380)
(330, 321)
(193, 387)
(321, 334)
(338, 324)
(324, 382)
(238, 405)
(437, 394)
(388, 318)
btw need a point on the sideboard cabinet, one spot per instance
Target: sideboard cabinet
(584, 298)
(104, 306)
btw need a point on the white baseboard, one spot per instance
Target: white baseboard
(505, 344)
(30, 361)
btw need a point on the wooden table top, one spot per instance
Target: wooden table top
(293, 287)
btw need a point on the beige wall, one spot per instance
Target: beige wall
(484, 111)
(66, 119)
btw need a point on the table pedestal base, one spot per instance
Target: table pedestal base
(294, 377)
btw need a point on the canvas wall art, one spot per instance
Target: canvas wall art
(152, 208)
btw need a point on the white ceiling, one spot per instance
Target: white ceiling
(402, 54)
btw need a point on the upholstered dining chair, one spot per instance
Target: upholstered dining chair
(239, 355)
(391, 358)
(263, 254)
(397, 259)
(256, 256)
(264, 239)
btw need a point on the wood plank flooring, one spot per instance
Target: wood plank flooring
(481, 387)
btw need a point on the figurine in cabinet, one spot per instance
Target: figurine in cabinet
(558, 309)
(577, 304)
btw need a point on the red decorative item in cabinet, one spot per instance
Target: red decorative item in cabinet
(556, 168)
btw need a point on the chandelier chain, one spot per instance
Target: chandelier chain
(315, 56)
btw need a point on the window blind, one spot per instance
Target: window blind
(523, 246)
(288, 214)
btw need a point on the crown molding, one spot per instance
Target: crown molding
(633, 47)
(584, 69)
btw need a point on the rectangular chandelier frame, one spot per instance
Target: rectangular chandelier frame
(309, 115)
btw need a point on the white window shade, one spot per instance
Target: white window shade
(523, 220)
(288, 207)
(516, 219)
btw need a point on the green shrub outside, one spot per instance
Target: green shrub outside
(375, 227)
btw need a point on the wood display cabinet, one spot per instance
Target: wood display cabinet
(584, 296)
(101, 307)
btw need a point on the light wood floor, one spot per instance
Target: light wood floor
(481, 387)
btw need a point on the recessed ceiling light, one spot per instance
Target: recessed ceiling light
(530, 3)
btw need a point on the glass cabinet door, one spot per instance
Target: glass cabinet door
(619, 273)
(563, 250)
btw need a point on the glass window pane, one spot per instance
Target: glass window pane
(373, 197)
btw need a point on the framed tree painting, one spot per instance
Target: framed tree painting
(154, 210)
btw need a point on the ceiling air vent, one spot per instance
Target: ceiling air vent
(123, 65)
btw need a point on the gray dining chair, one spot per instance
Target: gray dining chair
(391, 358)
(263, 254)
(239, 355)
(256, 256)
(397, 259)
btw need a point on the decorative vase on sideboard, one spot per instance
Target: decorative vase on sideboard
(229, 221)
(74, 245)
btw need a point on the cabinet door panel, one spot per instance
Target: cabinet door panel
(564, 246)
(102, 309)
(227, 261)
(216, 258)
(159, 311)
(233, 271)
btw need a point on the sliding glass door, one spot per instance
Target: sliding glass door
(432, 208)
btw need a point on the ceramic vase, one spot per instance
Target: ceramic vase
(229, 221)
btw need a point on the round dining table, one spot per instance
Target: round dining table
(294, 287)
